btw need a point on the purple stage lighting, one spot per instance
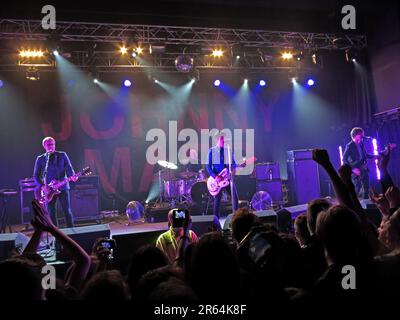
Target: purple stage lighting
(262, 83)
(127, 83)
(341, 155)
(217, 83)
(310, 82)
(1, 83)
(375, 145)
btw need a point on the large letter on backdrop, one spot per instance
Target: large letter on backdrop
(121, 163)
(66, 127)
(92, 132)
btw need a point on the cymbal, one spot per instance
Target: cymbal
(187, 174)
(168, 165)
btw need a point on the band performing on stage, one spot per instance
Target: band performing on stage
(198, 159)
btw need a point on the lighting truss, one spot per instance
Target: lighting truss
(89, 32)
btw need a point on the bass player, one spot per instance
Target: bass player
(217, 161)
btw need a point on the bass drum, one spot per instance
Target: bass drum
(199, 193)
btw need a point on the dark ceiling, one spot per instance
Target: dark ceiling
(311, 15)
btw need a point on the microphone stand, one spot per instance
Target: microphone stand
(45, 184)
(231, 175)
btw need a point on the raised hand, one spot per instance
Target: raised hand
(393, 196)
(41, 219)
(380, 200)
(321, 156)
(345, 172)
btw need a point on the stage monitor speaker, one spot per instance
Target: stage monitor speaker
(266, 216)
(12, 243)
(273, 187)
(303, 177)
(85, 204)
(85, 237)
(204, 224)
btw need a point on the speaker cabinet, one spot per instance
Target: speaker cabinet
(204, 224)
(267, 171)
(303, 177)
(85, 204)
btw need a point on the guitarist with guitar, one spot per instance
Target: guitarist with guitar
(50, 168)
(218, 169)
(356, 157)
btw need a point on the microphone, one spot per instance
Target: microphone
(367, 138)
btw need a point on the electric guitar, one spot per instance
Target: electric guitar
(363, 168)
(46, 193)
(214, 186)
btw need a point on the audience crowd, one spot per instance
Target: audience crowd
(335, 254)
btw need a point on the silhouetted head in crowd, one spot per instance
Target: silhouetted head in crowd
(146, 258)
(301, 231)
(242, 222)
(106, 286)
(340, 232)
(313, 209)
(173, 291)
(389, 232)
(152, 279)
(20, 280)
(215, 271)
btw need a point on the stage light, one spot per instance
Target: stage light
(237, 57)
(1, 83)
(310, 82)
(56, 53)
(245, 80)
(31, 53)
(95, 80)
(351, 55)
(134, 54)
(127, 83)
(262, 83)
(217, 53)
(139, 50)
(217, 83)
(299, 56)
(294, 80)
(341, 155)
(155, 80)
(123, 50)
(32, 74)
(375, 146)
(287, 55)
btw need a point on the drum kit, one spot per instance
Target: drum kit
(184, 187)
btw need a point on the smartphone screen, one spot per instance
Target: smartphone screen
(258, 247)
(179, 217)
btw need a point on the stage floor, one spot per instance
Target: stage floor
(117, 226)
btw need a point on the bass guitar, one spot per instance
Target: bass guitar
(215, 185)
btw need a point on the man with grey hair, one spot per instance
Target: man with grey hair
(55, 165)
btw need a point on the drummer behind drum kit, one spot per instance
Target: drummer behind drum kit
(186, 187)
